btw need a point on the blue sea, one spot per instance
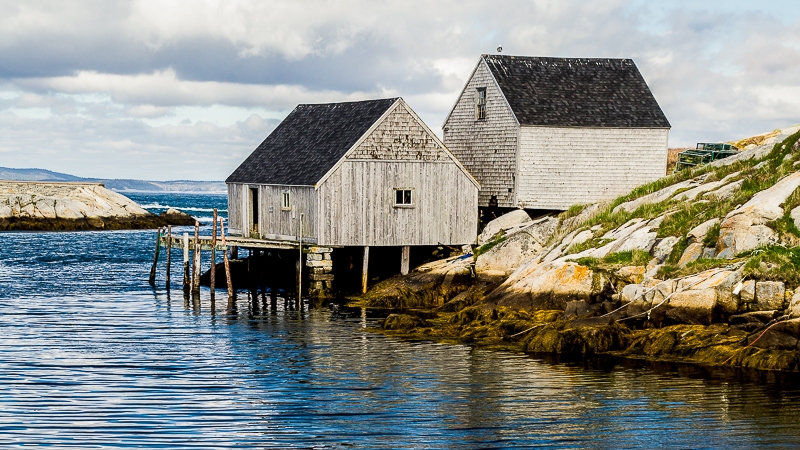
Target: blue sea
(92, 356)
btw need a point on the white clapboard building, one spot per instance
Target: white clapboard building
(547, 133)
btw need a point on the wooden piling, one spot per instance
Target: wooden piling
(213, 273)
(196, 260)
(227, 264)
(405, 260)
(365, 271)
(155, 258)
(186, 262)
(300, 260)
(169, 253)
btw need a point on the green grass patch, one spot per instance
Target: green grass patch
(774, 262)
(616, 260)
(500, 237)
(700, 265)
(573, 211)
(712, 236)
(677, 252)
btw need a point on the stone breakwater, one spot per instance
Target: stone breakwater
(75, 206)
(702, 266)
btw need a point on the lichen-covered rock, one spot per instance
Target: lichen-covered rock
(506, 221)
(402, 322)
(631, 274)
(548, 286)
(692, 307)
(505, 257)
(745, 228)
(793, 310)
(698, 233)
(692, 253)
(770, 295)
(69, 206)
(747, 292)
(631, 292)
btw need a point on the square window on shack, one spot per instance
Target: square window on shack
(403, 197)
(286, 201)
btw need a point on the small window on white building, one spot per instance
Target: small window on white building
(480, 104)
(286, 200)
(404, 197)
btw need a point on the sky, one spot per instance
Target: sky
(167, 90)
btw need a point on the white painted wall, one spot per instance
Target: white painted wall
(562, 166)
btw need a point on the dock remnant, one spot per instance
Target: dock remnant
(196, 260)
(169, 254)
(155, 258)
(186, 262)
(212, 283)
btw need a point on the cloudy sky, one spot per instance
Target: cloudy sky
(186, 89)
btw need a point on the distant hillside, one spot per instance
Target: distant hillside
(7, 173)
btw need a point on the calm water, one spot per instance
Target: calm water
(91, 356)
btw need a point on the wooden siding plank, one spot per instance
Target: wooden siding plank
(562, 166)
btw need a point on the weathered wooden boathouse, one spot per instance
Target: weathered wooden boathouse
(548, 133)
(342, 178)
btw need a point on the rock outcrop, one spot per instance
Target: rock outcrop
(73, 206)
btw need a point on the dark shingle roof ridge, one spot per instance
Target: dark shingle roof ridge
(309, 141)
(577, 92)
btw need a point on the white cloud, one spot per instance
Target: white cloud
(133, 89)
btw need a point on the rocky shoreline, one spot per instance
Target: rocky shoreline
(62, 206)
(700, 267)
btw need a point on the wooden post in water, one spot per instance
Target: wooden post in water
(169, 253)
(213, 272)
(365, 271)
(227, 263)
(196, 260)
(300, 260)
(186, 262)
(405, 260)
(155, 259)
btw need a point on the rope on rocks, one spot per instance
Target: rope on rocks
(778, 320)
(664, 301)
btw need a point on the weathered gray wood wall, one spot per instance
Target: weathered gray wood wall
(272, 223)
(488, 147)
(357, 205)
(277, 224)
(357, 201)
(560, 167)
(235, 204)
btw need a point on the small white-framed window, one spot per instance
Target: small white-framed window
(404, 197)
(286, 200)
(480, 104)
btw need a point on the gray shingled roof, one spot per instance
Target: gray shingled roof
(309, 141)
(576, 92)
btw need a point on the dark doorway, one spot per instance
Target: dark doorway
(254, 212)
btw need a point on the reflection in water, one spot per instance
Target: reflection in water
(90, 355)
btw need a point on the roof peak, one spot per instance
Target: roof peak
(555, 59)
(355, 102)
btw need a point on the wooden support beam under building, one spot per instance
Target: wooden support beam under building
(365, 271)
(405, 260)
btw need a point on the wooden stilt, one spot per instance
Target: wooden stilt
(300, 260)
(227, 265)
(169, 253)
(365, 271)
(155, 259)
(405, 260)
(186, 262)
(213, 273)
(234, 252)
(196, 260)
